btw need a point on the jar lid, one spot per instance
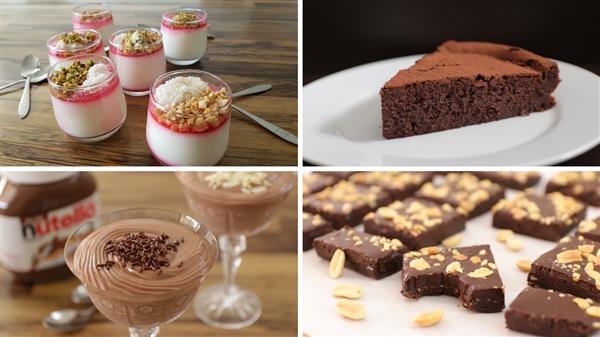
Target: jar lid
(33, 178)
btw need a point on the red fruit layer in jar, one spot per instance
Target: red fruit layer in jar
(81, 95)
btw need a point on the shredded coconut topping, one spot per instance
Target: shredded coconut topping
(96, 74)
(249, 182)
(179, 89)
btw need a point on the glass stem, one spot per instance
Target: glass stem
(231, 247)
(143, 332)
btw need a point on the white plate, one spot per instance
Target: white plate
(342, 125)
(390, 313)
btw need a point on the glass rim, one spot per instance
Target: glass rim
(82, 87)
(203, 14)
(94, 43)
(284, 189)
(151, 213)
(76, 12)
(179, 73)
(128, 29)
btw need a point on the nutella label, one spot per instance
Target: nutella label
(36, 243)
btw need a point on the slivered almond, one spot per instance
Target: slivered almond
(581, 303)
(336, 265)
(454, 267)
(593, 311)
(419, 264)
(569, 256)
(429, 318)
(514, 244)
(351, 310)
(351, 291)
(482, 272)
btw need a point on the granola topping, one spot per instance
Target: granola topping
(247, 182)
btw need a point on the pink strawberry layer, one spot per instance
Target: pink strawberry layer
(170, 26)
(187, 131)
(93, 95)
(91, 24)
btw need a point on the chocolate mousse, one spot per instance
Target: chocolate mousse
(236, 203)
(141, 272)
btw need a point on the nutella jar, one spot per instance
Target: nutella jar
(38, 211)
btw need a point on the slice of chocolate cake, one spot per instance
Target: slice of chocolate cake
(466, 83)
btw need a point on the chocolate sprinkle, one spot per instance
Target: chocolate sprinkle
(140, 252)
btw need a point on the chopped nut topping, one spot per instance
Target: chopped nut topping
(350, 291)
(248, 182)
(458, 255)
(429, 318)
(475, 259)
(582, 303)
(593, 311)
(419, 264)
(454, 267)
(569, 256)
(576, 276)
(351, 310)
(336, 266)
(524, 265)
(199, 113)
(587, 226)
(72, 76)
(482, 272)
(72, 39)
(430, 250)
(138, 41)
(184, 17)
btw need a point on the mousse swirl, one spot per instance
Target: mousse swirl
(141, 257)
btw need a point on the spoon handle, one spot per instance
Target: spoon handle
(281, 133)
(11, 84)
(24, 102)
(257, 89)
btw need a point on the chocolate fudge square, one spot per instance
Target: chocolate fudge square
(399, 184)
(551, 313)
(469, 273)
(584, 186)
(416, 222)
(514, 180)
(464, 191)
(370, 255)
(315, 182)
(346, 203)
(571, 267)
(313, 226)
(547, 217)
(590, 229)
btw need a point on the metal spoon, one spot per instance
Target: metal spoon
(39, 76)
(257, 89)
(208, 34)
(281, 133)
(29, 66)
(67, 320)
(80, 295)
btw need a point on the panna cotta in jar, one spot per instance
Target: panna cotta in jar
(185, 35)
(139, 56)
(94, 16)
(87, 97)
(188, 118)
(76, 42)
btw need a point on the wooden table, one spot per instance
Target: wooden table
(269, 268)
(256, 42)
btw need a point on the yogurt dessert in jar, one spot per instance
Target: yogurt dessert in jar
(141, 267)
(139, 56)
(188, 118)
(76, 42)
(96, 16)
(87, 97)
(185, 35)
